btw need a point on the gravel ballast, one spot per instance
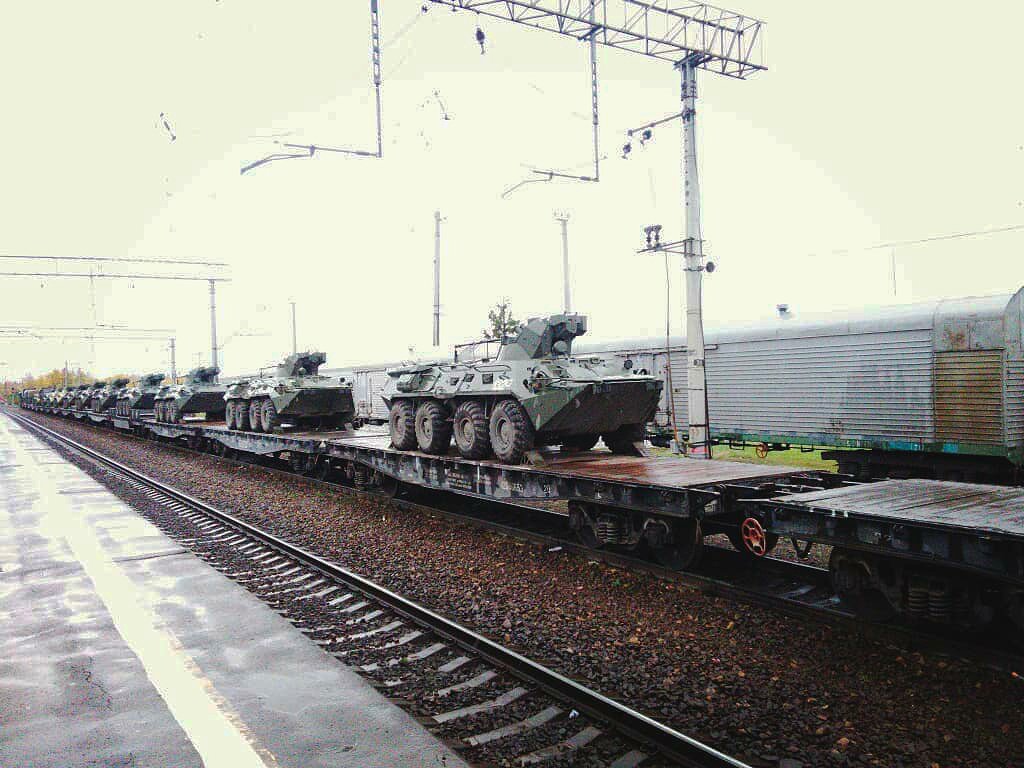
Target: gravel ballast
(770, 690)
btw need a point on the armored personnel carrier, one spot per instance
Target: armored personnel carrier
(139, 397)
(84, 397)
(106, 397)
(295, 394)
(200, 393)
(70, 395)
(532, 392)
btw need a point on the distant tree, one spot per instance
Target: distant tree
(500, 321)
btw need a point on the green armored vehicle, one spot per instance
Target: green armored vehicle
(295, 394)
(532, 392)
(70, 395)
(106, 397)
(84, 397)
(139, 397)
(200, 393)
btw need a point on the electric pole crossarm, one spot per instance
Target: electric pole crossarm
(723, 41)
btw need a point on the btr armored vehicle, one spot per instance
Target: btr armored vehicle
(139, 397)
(200, 393)
(84, 397)
(71, 395)
(295, 394)
(532, 392)
(106, 397)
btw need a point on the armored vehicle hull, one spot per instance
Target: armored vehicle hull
(199, 394)
(295, 395)
(141, 397)
(106, 397)
(534, 392)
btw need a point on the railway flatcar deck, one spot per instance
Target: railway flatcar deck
(964, 507)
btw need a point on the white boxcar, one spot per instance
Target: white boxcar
(934, 388)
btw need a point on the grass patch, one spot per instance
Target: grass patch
(794, 457)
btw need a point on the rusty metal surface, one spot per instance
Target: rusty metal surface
(968, 506)
(969, 397)
(600, 465)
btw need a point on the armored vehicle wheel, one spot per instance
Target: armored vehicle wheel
(402, 423)
(623, 438)
(433, 431)
(511, 432)
(472, 435)
(268, 415)
(229, 415)
(254, 415)
(242, 415)
(580, 442)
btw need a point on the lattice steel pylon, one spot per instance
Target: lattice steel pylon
(693, 36)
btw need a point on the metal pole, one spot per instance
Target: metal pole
(174, 365)
(65, 374)
(437, 278)
(593, 89)
(563, 219)
(893, 260)
(295, 343)
(699, 433)
(375, 52)
(213, 324)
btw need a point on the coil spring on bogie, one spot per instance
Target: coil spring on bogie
(610, 529)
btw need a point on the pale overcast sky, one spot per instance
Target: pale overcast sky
(876, 121)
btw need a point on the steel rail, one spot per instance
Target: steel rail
(669, 742)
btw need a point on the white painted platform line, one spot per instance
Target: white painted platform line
(218, 733)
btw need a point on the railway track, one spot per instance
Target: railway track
(793, 588)
(497, 704)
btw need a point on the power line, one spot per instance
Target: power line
(119, 275)
(954, 236)
(117, 259)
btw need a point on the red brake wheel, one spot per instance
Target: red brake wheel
(755, 539)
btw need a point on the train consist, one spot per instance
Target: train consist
(945, 551)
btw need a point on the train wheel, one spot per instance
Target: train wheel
(752, 539)
(511, 432)
(254, 415)
(402, 423)
(268, 415)
(433, 431)
(686, 549)
(472, 435)
(852, 584)
(623, 440)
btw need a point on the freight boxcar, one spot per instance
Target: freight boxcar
(934, 389)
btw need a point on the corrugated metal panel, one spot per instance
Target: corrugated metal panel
(1015, 403)
(969, 397)
(862, 386)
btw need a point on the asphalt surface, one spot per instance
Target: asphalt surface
(120, 649)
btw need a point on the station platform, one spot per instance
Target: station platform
(119, 648)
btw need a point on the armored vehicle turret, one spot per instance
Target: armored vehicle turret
(140, 396)
(105, 397)
(200, 393)
(295, 394)
(532, 392)
(27, 398)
